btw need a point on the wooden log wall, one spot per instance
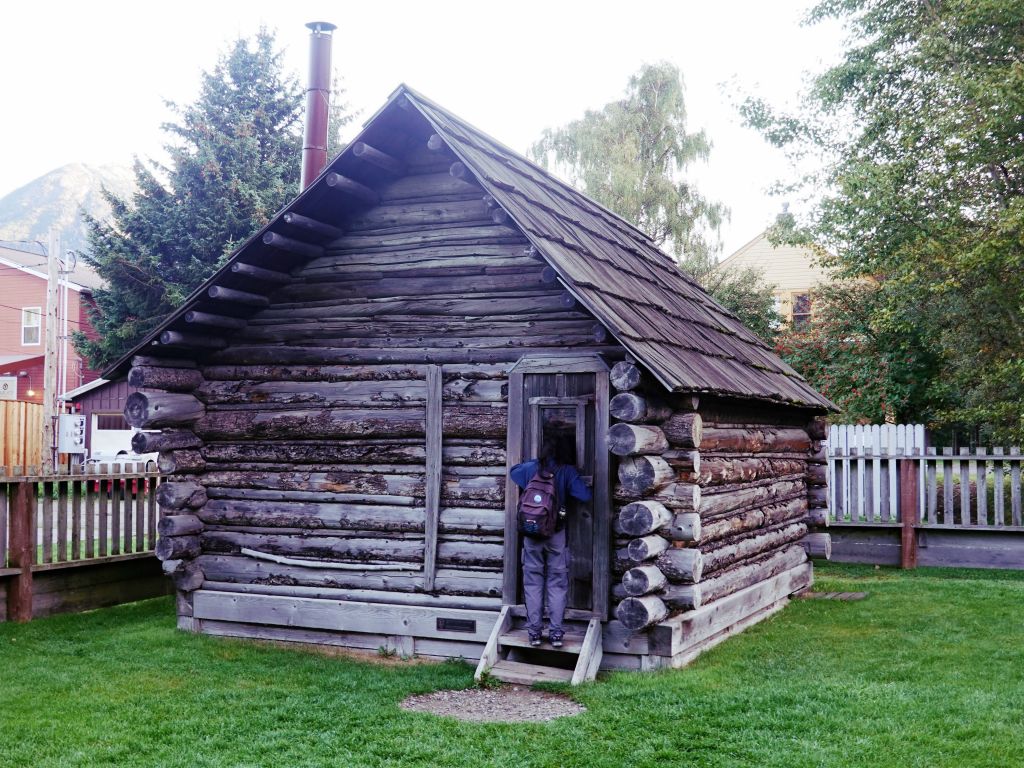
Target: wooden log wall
(353, 433)
(713, 497)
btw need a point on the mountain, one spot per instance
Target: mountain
(58, 198)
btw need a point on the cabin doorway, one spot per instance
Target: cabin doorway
(565, 398)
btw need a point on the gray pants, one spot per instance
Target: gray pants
(545, 580)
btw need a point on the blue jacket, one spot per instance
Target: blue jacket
(567, 480)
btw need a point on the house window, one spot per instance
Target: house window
(779, 305)
(801, 311)
(111, 421)
(31, 322)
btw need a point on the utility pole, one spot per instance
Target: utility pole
(50, 359)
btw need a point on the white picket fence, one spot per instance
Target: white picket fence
(863, 472)
(975, 488)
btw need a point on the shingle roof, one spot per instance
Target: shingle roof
(671, 324)
(663, 317)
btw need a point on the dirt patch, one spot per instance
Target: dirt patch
(389, 659)
(509, 704)
(844, 596)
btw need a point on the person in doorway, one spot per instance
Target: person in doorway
(546, 560)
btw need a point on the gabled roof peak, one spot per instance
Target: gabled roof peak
(659, 314)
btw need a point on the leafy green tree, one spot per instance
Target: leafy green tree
(234, 160)
(630, 156)
(922, 191)
(744, 292)
(874, 373)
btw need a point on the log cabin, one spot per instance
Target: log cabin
(341, 403)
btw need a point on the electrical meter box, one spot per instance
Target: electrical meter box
(71, 435)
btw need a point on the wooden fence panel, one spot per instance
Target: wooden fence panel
(862, 474)
(21, 433)
(4, 506)
(83, 515)
(931, 487)
(985, 484)
(46, 531)
(90, 519)
(151, 510)
(62, 521)
(981, 486)
(1015, 488)
(997, 500)
(43, 522)
(101, 497)
(76, 519)
(947, 488)
(965, 488)
(969, 499)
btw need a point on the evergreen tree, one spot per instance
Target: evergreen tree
(631, 157)
(234, 161)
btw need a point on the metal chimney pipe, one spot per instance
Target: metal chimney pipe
(318, 99)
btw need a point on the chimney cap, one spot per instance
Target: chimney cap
(322, 26)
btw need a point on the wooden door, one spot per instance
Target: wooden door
(567, 396)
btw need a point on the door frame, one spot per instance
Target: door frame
(548, 364)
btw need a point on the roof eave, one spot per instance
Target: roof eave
(119, 367)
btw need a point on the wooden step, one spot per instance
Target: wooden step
(520, 638)
(528, 674)
(571, 614)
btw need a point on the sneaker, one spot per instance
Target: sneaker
(556, 639)
(534, 639)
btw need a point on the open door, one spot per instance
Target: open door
(567, 396)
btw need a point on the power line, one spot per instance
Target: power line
(40, 313)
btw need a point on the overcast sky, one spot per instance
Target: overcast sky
(86, 81)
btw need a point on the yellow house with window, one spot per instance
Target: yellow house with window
(793, 270)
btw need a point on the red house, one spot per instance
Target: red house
(23, 320)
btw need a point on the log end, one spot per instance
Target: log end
(685, 526)
(177, 548)
(641, 580)
(643, 517)
(638, 613)
(136, 409)
(818, 546)
(625, 375)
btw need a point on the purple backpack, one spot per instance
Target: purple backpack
(538, 510)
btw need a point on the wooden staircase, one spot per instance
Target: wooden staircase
(509, 657)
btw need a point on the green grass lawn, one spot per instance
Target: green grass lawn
(928, 671)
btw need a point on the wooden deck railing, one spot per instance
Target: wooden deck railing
(93, 511)
(98, 513)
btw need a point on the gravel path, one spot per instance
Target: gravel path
(508, 704)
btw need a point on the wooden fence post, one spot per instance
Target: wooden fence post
(908, 510)
(22, 552)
